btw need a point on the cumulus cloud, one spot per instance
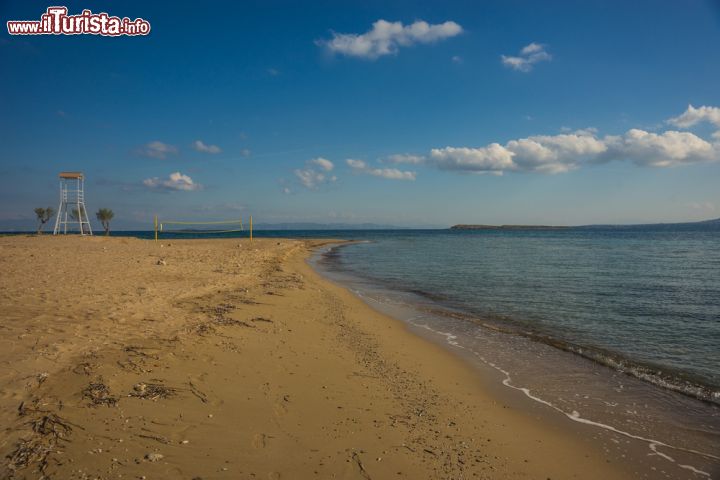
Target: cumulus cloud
(157, 149)
(386, 38)
(315, 173)
(529, 56)
(567, 151)
(201, 146)
(555, 153)
(359, 166)
(323, 163)
(493, 158)
(692, 116)
(405, 158)
(540, 153)
(312, 179)
(668, 149)
(175, 181)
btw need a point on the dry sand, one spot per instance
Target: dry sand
(122, 358)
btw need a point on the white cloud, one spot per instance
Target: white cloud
(586, 131)
(692, 116)
(200, 146)
(492, 158)
(532, 48)
(360, 166)
(540, 153)
(554, 153)
(311, 177)
(323, 163)
(157, 149)
(356, 164)
(529, 56)
(457, 59)
(668, 149)
(406, 158)
(386, 38)
(567, 151)
(175, 181)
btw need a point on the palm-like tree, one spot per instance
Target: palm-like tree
(104, 215)
(43, 215)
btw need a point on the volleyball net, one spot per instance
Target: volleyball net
(220, 227)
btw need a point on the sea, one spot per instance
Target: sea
(613, 330)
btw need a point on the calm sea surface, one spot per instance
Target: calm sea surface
(648, 298)
(617, 329)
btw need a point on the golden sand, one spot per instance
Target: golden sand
(122, 358)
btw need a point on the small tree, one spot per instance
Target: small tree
(104, 215)
(43, 215)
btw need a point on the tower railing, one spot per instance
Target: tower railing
(70, 198)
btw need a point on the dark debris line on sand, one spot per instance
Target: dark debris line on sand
(99, 394)
(152, 391)
(48, 429)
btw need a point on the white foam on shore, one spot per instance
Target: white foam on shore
(575, 416)
(653, 444)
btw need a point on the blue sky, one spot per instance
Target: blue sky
(403, 113)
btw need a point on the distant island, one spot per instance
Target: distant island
(463, 226)
(507, 227)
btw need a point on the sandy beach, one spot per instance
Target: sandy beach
(123, 358)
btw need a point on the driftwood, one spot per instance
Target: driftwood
(48, 430)
(99, 394)
(152, 391)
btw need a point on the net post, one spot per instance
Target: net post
(156, 231)
(251, 228)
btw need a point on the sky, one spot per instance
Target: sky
(415, 114)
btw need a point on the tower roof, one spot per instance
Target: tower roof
(71, 175)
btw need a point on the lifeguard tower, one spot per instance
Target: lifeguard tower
(72, 195)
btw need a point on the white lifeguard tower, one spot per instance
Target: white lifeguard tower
(72, 195)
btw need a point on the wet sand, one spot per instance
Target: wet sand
(122, 358)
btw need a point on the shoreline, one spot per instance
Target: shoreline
(415, 308)
(239, 361)
(675, 380)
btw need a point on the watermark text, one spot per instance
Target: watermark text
(56, 21)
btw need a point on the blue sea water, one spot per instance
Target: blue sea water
(647, 298)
